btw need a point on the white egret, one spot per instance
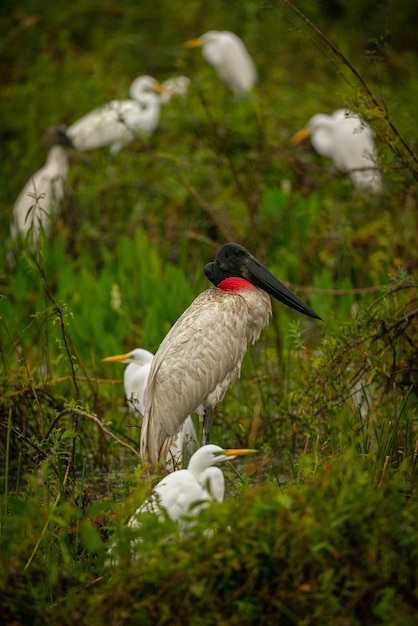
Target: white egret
(348, 140)
(119, 122)
(135, 379)
(226, 52)
(187, 491)
(174, 86)
(40, 199)
(135, 376)
(201, 356)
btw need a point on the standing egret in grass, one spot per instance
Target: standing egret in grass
(201, 356)
(348, 140)
(40, 199)
(226, 52)
(119, 122)
(189, 490)
(135, 376)
(135, 379)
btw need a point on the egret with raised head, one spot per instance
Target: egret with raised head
(40, 199)
(119, 122)
(187, 491)
(174, 86)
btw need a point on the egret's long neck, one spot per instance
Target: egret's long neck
(196, 467)
(213, 482)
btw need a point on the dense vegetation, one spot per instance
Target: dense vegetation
(320, 527)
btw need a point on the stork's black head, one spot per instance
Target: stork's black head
(234, 260)
(230, 261)
(56, 136)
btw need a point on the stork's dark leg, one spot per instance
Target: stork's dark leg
(207, 417)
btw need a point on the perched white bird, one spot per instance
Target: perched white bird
(226, 52)
(135, 376)
(201, 356)
(348, 140)
(40, 199)
(187, 491)
(135, 379)
(174, 86)
(119, 122)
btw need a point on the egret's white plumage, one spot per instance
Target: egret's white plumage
(135, 376)
(135, 379)
(348, 140)
(119, 122)
(40, 199)
(187, 491)
(226, 52)
(174, 86)
(201, 356)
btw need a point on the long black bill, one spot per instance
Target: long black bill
(261, 277)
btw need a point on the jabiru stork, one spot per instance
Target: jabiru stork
(201, 356)
(348, 141)
(227, 54)
(135, 379)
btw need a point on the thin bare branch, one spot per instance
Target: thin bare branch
(373, 99)
(103, 428)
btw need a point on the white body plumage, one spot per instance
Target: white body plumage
(348, 140)
(119, 122)
(40, 199)
(182, 495)
(174, 86)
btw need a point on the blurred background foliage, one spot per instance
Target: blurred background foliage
(332, 406)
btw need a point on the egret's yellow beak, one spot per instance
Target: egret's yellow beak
(117, 357)
(300, 136)
(159, 88)
(238, 452)
(193, 43)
